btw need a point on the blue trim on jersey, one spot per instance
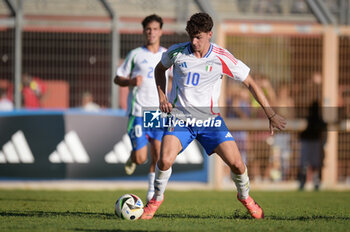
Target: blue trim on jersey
(209, 51)
(159, 49)
(145, 48)
(189, 48)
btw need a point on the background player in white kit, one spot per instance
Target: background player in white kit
(137, 72)
(198, 67)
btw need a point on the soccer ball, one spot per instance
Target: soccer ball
(129, 207)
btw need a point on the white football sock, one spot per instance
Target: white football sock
(150, 193)
(242, 184)
(160, 182)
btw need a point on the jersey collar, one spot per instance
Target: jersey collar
(145, 48)
(189, 48)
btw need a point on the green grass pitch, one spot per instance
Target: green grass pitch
(22, 210)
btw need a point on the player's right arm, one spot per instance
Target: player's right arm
(168, 59)
(164, 105)
(124, 81)
(275, 120)
(126, 69)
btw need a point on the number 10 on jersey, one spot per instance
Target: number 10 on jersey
(192, 78)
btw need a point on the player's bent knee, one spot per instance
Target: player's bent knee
(140, 157)
(164, 164)
(140, 160)
(237, 166)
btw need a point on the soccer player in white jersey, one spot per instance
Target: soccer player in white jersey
(198, 67)
(137, 72)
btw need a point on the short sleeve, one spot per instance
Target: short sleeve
(231, 66)
(167, 62)
(240, 71)
(125, 69)
(169, 57)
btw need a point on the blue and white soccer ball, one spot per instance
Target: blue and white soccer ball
(129, 207)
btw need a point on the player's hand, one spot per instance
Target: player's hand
(165, 106)
(136, 81)
(277, 121)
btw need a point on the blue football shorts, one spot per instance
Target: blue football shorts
(209, 137)
(139, 135)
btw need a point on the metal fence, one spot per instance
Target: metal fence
(68, 63)
(344, 103)
(291, 63)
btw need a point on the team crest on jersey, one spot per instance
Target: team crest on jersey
(208, 66)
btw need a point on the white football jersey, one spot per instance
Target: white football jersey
(197, 81)
(141, 62)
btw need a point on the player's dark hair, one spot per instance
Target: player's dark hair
(199, 22)
(152, 18)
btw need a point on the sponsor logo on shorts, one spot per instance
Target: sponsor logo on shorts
(228, 135)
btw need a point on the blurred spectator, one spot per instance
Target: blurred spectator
(344, 113)
(284, 102)
(312, 141)
(238, 106)
(281, 147)
(307, 91)
(344, 101)
(259, 155)
(5, 103)
(299, 7)
(239, 103)
(269, 92)
(33, 91)
(88, 103)
(268, 6)
(243, 5)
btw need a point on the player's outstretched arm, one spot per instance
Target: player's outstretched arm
(123, 81)
(159, 73)
(275, 120)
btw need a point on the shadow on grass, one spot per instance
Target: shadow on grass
(42, 200)
(69, 214)
(27, 199)
(52, 214)
(108, 230)
(242, 216)
(309, 218)
(235, 215)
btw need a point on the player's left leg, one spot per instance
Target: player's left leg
(230, 154)
(138, 141)
(170, 147)
(218, 139)
(155, 153)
